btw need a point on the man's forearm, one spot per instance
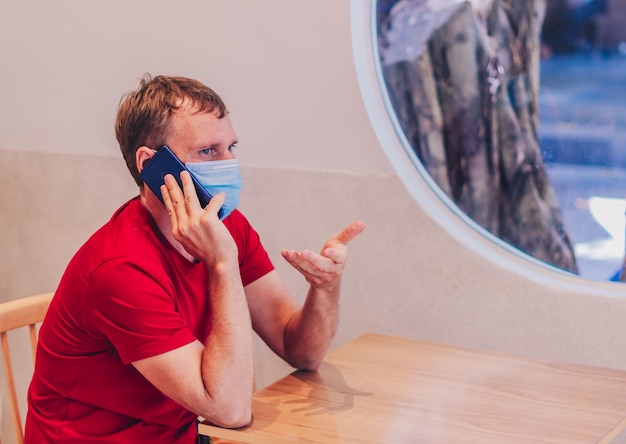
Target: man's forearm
(227, 361)
(311, 330)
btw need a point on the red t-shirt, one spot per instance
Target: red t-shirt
(126, 295)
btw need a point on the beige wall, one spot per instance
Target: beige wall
(311, 159)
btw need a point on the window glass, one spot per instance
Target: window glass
(515, 109)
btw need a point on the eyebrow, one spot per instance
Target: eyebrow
(206, 146)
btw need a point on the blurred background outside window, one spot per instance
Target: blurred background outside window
(581, 116)
(582, 132)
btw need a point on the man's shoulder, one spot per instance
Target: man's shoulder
(236, 217)
(128, 236)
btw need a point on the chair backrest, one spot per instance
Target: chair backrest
(25, 312)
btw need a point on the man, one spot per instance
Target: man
(151, 325)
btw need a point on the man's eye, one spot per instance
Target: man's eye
(232, 147)
(207, 151)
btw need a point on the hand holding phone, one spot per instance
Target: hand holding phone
(165, 162)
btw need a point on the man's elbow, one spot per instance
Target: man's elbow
(230, 416)
(236, 420)
(307, 364)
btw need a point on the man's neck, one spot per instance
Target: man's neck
(159, 214)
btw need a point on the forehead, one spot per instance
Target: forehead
(193, 127)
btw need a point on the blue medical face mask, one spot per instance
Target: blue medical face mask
(217, 176)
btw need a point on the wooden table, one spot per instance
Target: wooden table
(383, 389)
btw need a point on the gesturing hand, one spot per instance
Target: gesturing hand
(323, 271)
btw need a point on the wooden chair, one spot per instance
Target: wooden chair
(25, 312)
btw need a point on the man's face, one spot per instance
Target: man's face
(200, 137)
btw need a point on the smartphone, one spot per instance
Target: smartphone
(165, 162)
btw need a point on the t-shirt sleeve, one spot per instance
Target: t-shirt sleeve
(254, 261)
(135, 312)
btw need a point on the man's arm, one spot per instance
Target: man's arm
(302, 335)
(215, 379)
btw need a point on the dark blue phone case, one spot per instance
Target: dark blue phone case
(165, 162)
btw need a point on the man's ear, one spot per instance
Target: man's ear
(142, 155)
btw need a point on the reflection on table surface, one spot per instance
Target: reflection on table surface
(383, 389)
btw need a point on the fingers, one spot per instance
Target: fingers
(172, 196)
(189, 191)
(199, 230)
(216, 203)
(180, 204)
(333, 252)
(307, 261)
(321, 272)
(317, 270)
(324, 270)
(349, 232)
(337, 255)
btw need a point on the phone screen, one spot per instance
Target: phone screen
(165, 162)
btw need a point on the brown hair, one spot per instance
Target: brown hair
(144, 114)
